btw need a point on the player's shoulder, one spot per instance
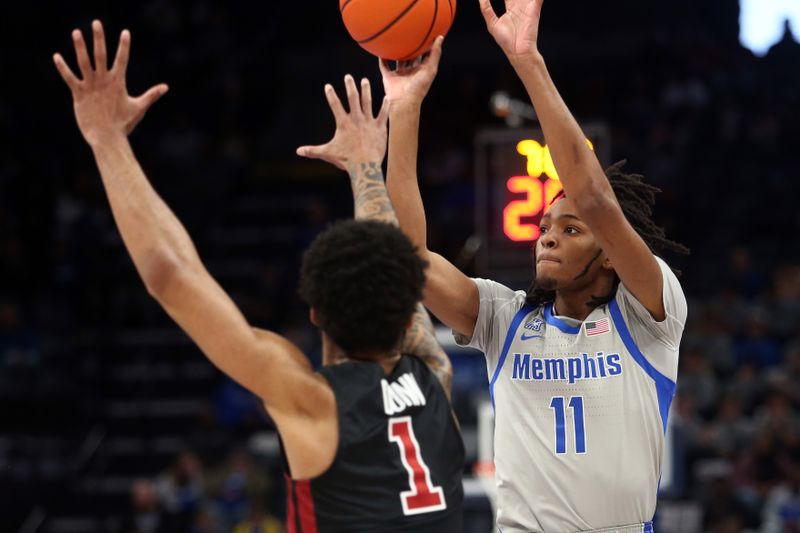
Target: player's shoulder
(500, 294)
(351, 374)
(671, 286)
(667, 271)
(625, 307)
(417, 367)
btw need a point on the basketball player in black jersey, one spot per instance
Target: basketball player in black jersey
(370, 441)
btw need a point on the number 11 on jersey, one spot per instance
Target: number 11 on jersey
(576, 404)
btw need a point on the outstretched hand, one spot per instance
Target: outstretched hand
(517, 30)
(411, 81)
(102, 104)
(360, 135)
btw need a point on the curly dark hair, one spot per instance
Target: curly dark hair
(364, 279)
(636, 198)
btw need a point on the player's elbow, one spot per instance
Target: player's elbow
(159, 273)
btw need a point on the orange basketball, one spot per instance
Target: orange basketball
(397, 29)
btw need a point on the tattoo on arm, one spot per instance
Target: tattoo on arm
(369, 193)
(372, 203)
(420, 340)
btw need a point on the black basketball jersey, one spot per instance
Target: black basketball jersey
(400, 458)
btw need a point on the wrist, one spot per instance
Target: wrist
(364, 158)
(99, 140)
(405, 105)
(527, 60)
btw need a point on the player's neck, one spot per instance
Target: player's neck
(388, 362)
(332, 354)
(574, 303)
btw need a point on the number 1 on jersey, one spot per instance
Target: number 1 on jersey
(576, 404)
(423, 496)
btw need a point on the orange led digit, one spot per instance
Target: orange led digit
(513, 226)
(540, 187)
(551, 189)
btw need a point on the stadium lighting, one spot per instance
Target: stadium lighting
(762, 23)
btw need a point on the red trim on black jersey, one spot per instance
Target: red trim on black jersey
(305, 507)
(300, 514)
(290, 511)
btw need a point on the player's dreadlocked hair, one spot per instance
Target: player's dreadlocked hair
(636, 198)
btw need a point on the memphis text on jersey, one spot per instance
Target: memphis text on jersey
(528, 367)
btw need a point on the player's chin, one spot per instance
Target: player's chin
(546, 282)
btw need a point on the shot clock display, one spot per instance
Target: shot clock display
(515, 183)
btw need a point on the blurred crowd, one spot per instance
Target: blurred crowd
(232, 497)
(736, 416)
(716, 128)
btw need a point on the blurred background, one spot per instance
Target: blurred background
(111, 420)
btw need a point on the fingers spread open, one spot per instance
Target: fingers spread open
(352, 94)
(436, 52)
(383, 114)
(488, 12)
(100, 54)
(334, 103)
(152, 95)
(123, 53)
(533, 10)
(82, 55)
(66, 73)
(312, 152)
(366, 98)
(322, 152)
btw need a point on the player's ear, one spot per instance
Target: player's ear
(312, 316)
(606, 262)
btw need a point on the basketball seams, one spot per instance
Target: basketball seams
(392, 23)
(378, 27)
(430, 29)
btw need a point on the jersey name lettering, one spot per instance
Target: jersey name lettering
(402, 394)
(572, 369)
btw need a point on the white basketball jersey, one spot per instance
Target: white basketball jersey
(580, 407)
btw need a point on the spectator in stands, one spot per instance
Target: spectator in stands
(146, 514)
(731, 431)
(782, 506)
(258, 521)
(181, 489)
(756, 344)
(235, 487)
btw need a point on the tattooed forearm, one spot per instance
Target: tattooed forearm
(369, 193)
(420, 340)
(372, 203)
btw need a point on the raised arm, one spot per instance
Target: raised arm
(165, 257)
(582, 177)
(449, 294)
(359, 146)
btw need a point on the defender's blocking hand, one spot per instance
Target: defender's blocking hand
(100, 97)
(360, 136)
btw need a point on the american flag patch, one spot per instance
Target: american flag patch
(598, 327)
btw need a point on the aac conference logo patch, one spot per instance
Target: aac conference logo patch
(534, 325)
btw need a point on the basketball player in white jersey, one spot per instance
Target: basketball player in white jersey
(583, 365)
